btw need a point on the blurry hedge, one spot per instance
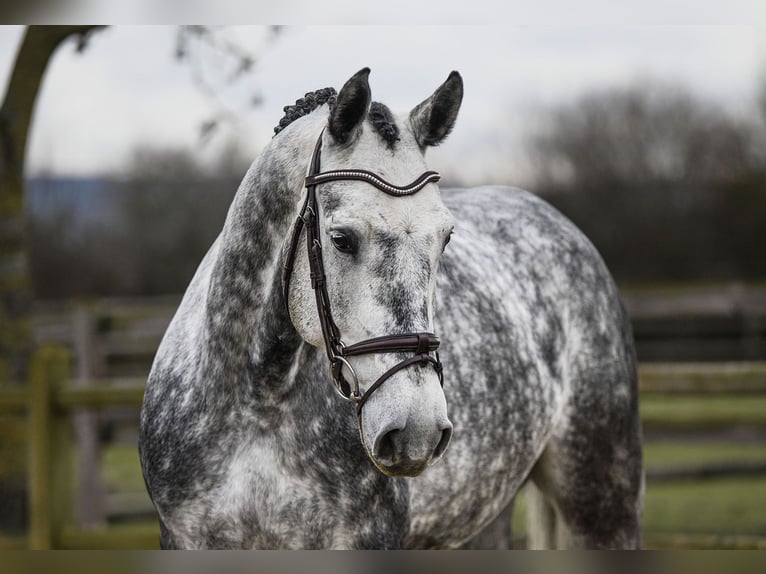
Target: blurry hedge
(668, 186)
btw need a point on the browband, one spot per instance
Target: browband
(374, 179)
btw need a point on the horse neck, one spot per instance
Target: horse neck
(250, 342)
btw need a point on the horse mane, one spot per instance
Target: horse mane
(380, 116)
(305, 105)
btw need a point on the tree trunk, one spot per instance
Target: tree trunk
(37, 47)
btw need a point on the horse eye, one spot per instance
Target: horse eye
(342, 241)
(448, 239)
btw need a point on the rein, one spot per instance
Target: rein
(420, 344)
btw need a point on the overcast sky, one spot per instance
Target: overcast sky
(128, 90)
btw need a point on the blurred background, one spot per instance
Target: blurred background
(122, 148)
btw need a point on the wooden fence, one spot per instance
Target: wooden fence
(112, 343)
(47, 402)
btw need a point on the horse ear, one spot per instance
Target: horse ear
(351, 106)
(433, 118)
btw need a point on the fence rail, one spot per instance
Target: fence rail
(706, 378)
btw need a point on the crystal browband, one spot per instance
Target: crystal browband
(374, 179)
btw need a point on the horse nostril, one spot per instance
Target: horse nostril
(443, 442)
(385, 447)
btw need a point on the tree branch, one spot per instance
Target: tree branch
(37, 48)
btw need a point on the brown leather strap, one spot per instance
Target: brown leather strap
(422, 344)
(298, 226)
(287, 266)
(422, 359)
(415, 342)
(330, 331)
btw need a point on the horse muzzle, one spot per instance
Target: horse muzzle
(408, 449)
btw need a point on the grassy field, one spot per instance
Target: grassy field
(735, 506)
(721, 507)
(122, 469)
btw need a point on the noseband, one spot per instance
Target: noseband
(420, 344)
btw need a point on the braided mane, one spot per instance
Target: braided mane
(380, 116)
(305, 105)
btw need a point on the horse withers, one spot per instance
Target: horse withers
(331, 348)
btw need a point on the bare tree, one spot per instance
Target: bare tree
(171, 210)
(194, 45)
(667, 185)
(37, 47)
(641, 135)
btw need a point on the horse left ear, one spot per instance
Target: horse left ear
(433, 119)
(351, 107)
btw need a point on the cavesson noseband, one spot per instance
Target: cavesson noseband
(421, 344)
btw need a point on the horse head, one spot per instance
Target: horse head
(362, 264)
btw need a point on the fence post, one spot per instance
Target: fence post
(49, 369)
(90, 503)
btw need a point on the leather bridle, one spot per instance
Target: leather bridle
(422, 345)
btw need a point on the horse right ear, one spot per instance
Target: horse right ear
(351, 107)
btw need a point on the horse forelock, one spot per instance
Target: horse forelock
(384, 123)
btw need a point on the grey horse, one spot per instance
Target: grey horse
(244, 441)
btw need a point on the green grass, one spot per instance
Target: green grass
(734, 506)
(730, 506)
(122, 469)
(138, 536)
(519, 522)
(727, 507)
(721, 506)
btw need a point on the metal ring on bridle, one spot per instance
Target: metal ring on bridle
(337, 375)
